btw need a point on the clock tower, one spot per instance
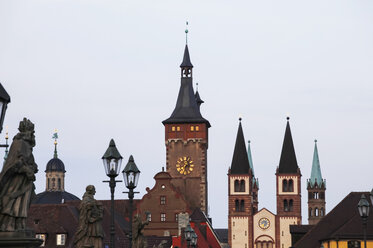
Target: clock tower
(186, 139)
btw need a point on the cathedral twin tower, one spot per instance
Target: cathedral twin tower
(186, 139)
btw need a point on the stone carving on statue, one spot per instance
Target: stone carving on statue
(90, 232)
(138, 239)
(17, 180)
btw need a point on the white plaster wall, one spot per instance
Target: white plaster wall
(295, 181)
(285, 236)
(240, 232)
(270, 231)
(247, 185)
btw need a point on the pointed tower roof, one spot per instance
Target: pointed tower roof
(198, 98)
(316, 171)
(250, 158)
(240, 161)
(288, 160)
(186, 109)
(186, 59)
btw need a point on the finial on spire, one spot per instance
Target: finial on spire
(55, 137)
(186, 33)
(196, 86)
(315, 140)
(240, 118)
(288, 117)
(249, 141)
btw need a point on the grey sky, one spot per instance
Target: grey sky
(97, 70)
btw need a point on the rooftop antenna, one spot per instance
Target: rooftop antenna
(186, 33)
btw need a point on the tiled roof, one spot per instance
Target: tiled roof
(343, 222)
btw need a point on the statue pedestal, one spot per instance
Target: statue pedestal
(22, 239)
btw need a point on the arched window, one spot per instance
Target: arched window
(316, 212)
(285, 185)
(310, 212)
(291, 186)
(310, 195)
(322, 212)
(242, 186)
(236, 186)
(322, 195)
(242, 206)
(286, 207)
(53, 182)
(315, 195)
(291, 205)
(237, 205)
(59, 183)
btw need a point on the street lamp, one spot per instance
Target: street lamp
(194, 239)
(131, 176)
(190, 236)
(363, 207)
(112, 162)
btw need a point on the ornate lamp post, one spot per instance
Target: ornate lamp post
(363, 207)
(190, 236)
(112, 162)
(131, 176)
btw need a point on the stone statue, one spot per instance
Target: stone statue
(138, 239)
(17, 180)
(90, 232)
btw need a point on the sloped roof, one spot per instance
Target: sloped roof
(316, 177)
(54, 197)
(240, 161)
(288, 160)
(343, 222)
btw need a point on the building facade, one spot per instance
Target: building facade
(249, 227)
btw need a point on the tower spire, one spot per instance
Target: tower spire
(316, 177)
(240, 161)
(288, 160)
(55, 137)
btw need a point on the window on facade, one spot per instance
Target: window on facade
(197, 128)
(316, 212)
(353, 244)
(48, 183)
(285, 185)
(163, 200)
(237, 205)
(149, 217)
(53, 182)
(173, 128)
(321, 212)
(178, 128)
(322, 195)
(310, 196)
(236, 186)
(163, 217)
(291, 186)
(315, 195)
(176, 217)
(192, 128)
(242, 206)
(310, 212)
(42, 237)
(61, 239)
(245, 233)
(286, 206)
(59, 183)
(291, 205)
(242, 186)
(234, 236)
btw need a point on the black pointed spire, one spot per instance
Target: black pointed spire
(186, 59)
(186, 109)
(240, 161)
(198, 98)
(288, 160)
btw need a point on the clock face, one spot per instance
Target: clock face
(264, 223)
(184, 165)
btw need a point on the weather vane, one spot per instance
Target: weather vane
(186, 33)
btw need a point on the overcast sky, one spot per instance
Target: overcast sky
(102, 69)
